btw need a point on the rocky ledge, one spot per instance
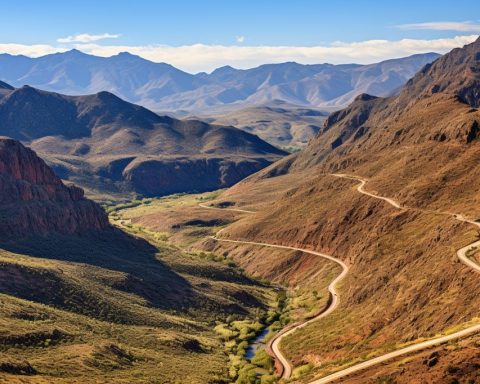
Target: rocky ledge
(34, 201)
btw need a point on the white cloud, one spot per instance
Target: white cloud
(462, 26)
(202, 57)
(29, 50)
(240, 39)
(87, 38)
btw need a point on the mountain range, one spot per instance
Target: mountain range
(359, 232)
(279, 123)
(162, 87)
(108, 145)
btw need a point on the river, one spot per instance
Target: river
(256, 344)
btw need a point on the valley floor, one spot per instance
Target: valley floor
(91, 317)
(127, 306)
(293, 271)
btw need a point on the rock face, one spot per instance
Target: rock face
(187, 174)
(456, 74)
(35, 201)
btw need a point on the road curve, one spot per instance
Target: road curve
(332, 304)
(399, 352)
(462, 255)
(361, 189)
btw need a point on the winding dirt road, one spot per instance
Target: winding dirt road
(334, 298)
(462, 255)
(332, 303)
(284, 368)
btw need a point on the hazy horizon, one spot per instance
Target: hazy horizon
(201, 37)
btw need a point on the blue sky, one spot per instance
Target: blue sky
(163, 30)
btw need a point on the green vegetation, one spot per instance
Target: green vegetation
(122, 308)
(236, 335)
(263, 360)
(301, 370)
(135, 203)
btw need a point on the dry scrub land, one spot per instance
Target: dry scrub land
(111, 307)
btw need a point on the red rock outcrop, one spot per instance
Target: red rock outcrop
(33, 200)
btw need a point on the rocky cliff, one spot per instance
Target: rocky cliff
(35, 201)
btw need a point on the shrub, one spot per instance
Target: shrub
(262, 359)
(267, 379)
(301, 370)
(247, 375)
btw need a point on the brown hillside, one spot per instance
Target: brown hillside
(281, 124)
(35, 201)
(405, 282)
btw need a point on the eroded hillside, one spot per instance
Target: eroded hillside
(82, 301)
(405, 281)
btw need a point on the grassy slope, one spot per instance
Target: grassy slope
(113, 308)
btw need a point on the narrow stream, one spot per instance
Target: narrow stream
(256, 344)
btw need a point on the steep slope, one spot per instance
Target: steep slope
(405, 282)
(108, 145)
(161, 87)
(82, 301)
(4, 89)
(35, 201)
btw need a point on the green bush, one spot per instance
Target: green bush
(267, 379)
(301, 370)
(263, 360)
(247, 375)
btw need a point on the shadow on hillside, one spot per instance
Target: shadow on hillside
(146, 276)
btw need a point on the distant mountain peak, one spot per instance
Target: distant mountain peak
(25, 90)
(224, 69)
(74, 53)
(127, 55)
(105, 95)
